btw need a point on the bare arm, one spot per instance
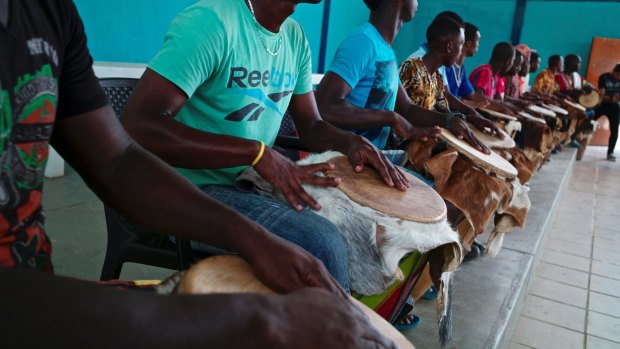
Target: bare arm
(70, 313)
(152, 194)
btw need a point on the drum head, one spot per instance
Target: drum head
(532, 117)
(496, 114)
(491, 162)
(541, 110)
(590, 100)
(556, 109)
(419, 204)
(493, 141)
(231, 274)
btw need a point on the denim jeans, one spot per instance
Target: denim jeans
(305, 229)
(397, 157)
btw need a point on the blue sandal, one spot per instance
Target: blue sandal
(415, 322)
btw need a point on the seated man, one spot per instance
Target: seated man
(535, 63)
(569, 81)
(488, 79)
(453, 98)
(457, 76)
(361, 90)
(48, 83)
(545, 82)
(512, 77)
(211, 103)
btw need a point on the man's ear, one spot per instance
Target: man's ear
(449, 46)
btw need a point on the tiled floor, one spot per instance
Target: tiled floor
(574, 298)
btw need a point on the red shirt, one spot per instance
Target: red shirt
(491, 84)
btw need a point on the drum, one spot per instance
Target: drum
(555, 109)
(492, 141)
(391, 235)
(590, 100)
(497, 115)
(490, 163)
(531, 117)
(542, 111)
(231, 274)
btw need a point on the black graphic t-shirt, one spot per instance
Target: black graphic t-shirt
(45, 75)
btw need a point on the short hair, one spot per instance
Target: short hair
(617, 68)
(441, 29)
(502, 51)
(452, 15)
(534, 56)
(572, 58)
(554, 60)
(372, 4)
(470, 32)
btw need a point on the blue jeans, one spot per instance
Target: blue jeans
(305, 229)
(397, 157)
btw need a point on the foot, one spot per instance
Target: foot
(430, 294)
(473, 254)
(408, 322)
(574, 144)
(611, 157)
(480, 246)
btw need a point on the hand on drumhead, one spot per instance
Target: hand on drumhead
(285, 267)
(460, 129)
(587, 88)
(287, 177)
(362, 152)
(311, 318)
(485, 126)
(425, 133)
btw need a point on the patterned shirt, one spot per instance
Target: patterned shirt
(545, 83)
(425, 89)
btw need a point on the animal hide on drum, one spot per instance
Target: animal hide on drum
(376, 242)
(518, 159)
(479, 195)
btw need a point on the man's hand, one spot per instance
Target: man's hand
(284, 175)
(460, 129)
(285, 267)
(312, 318)
(406, 131)
(587, 88)
(485, 126)
(362, 152)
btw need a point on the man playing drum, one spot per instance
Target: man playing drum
(488, 78)
(47, 82)
(211, 103)
(545, 82)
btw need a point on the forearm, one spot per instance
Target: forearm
(321, 136)
(182, 146)
(345, 115)
(421, 117)
(457, 105)
(147, 191)
(69, 313)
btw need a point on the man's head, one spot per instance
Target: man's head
(616, 72)
(572, 63)
(525, 67)
(453, 16)
(556, 63)
(407, 8)
(502, 57)
(516, 65)
(445, 38)
(472, 40)
(534, 62)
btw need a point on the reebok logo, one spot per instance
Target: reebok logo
(251, 84)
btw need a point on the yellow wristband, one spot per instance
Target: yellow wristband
(260, 154)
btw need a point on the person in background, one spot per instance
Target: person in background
(50, 95)
(535, 63)
(488, 79)
(609, 88)
(545, 82)
(512, 77)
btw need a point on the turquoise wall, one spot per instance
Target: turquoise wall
(135, 32)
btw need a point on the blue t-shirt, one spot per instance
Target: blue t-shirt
(368, 64)
(458, 82)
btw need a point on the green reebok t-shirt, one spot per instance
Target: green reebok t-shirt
(216, 53)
